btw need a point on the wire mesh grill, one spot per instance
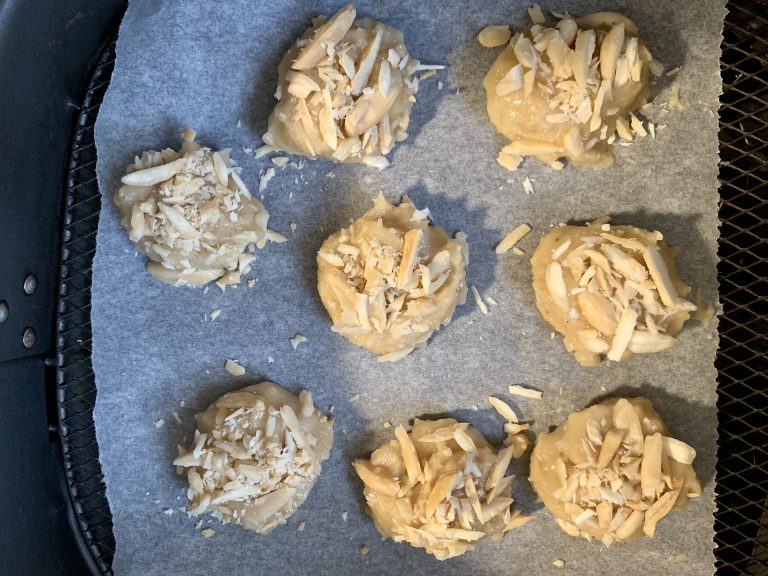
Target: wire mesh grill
(741, 522)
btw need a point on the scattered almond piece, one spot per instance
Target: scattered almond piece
(512, 238)
(234, 368)
(479, 301)
(503, 409)
(207, 532)
(296, 340)
(518, 390)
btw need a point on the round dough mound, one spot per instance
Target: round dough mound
(256, 456)
(190, 212)
(609, 290)
(565, 89)
(440, 487)
(612, 471)
(345, 91)
(390, 279)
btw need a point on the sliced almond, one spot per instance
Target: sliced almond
(503, 409)
(650, 468)
(154, 175)
(630, 525)
(375, 479)
(367, 60)
(678, 450)
(493, 36)
(658, 510)
(610, 447)
(556, 285)
(327, 35)
(410, 458)
(624, 331)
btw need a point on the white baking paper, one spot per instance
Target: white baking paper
(212, 66)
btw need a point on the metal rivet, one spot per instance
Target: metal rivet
(29, 338)
(30, 284)
(3, 311)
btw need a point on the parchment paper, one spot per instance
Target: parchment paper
(212, 66)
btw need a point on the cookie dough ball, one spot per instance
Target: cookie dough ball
(609, 290)
(612, 471)
(567, 88)
(256, 455)
(345, 91)
(191, 214)
(440, 487)
(391, 279)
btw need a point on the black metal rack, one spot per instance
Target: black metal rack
(742, 518)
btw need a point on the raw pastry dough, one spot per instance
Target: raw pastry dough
(256, 456)
(612, 471)
(609, 290)
(565, 89)
(440, 487)
(190, 212)
(345, 91)
(391, 279)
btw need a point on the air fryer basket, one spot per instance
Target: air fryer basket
(741, 521)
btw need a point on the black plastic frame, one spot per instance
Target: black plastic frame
(742, 518)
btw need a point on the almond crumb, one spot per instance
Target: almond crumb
(234, 368)
(296, 340)
(159, 423)
(207, 533)
(479, 300)
(559, 563)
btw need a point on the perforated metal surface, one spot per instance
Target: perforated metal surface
(742, 472)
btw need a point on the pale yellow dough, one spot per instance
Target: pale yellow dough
(345, 91)
(191, 214)
(563, 89)
(609, 290)
(441, 487)
(391, 279)
(612, 471)
(257, 453)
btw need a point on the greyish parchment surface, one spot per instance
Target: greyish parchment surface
(212, 66)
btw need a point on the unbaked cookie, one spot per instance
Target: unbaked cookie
(441, 487)
(345, 91)
(391, 279)
(191, 214)
(609, 290)
(256, 455)
(567, 88)
(613, 471)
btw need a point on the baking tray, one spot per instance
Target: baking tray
(741, 522)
